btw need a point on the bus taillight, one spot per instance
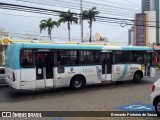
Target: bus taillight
(153, 88)
(14, 77)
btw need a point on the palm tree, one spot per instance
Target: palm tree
(48, 24)
(69, 18)
(90, 16)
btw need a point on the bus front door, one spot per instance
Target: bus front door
(147, 63)
(44, 69)
(107, 66)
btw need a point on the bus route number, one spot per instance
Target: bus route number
(88, 70)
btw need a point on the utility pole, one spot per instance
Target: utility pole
(81, 21)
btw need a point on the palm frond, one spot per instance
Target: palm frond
(93, 8)
(47, 24)
(54, 23)
(42, 26)
(68, 17)
(43, 21)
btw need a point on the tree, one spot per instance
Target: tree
(69, 18)
(48, 24)
(90, 16)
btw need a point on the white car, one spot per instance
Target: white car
(2, 75)
(155, 96)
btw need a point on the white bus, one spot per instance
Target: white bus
(33, 66)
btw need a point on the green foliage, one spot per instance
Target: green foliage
(69, 18)
(48, 24)
(90, 15)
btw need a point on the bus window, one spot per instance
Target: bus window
(128, 57)
(97, 57)
(86, 57)
(26, 59)
(117, 57)
(59, 61)
(138, 57)
(67, 57)
(125, 57)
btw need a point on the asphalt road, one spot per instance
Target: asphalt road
(92, 98)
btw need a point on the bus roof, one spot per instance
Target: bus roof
(82, 47)
(60, 46)
(127, 48)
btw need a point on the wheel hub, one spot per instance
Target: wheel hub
(137, 76)
(158, 107)
(77, 83)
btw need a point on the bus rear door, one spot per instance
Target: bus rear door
(107, 66)
(44, 69)
(149, 64)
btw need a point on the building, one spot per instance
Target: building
(96, 38)
(2, 53)
(3, 46)
(153, 5)
(150, 6)
(132, 36)
(145, 5)
(150, 28)
(145, 30)
(3, 33)
(140, 25)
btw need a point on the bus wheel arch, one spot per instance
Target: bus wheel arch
(156, 103)
(137, 77)
(77, 81)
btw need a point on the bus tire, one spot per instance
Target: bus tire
(77, 82)
(157, 108)
(137, 77)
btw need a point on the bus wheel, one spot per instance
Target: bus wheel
(137, 77)
(157, 107)
(77, 82)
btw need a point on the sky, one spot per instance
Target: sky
(18, 23)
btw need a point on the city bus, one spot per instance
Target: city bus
(35, 66)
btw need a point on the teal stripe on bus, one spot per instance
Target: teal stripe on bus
(124, 71)
(64, 46)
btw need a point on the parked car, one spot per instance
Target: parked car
(155, 96)
(2, 75)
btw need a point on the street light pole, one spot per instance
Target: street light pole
(81, 21)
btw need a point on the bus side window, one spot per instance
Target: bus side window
(131, 57)
(59, 61)
(86, 59)
(138, 57)
(25, 62)
(125, 57)
(68, 57)
(118, 57)
(26, 58)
